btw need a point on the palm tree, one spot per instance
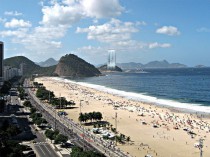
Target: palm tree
(81, 117)
(99, 116)
(86, 117)
(91, 116)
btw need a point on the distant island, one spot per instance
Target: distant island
(103, 68)
(69, 65)
(150, 65)
(200, 66)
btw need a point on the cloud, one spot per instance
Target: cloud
(41, 40)
(117, 35)
(112, 31)
(203, 29)
(19, 33)
(49, 32)
(58, 17)
(11, 13)
(69, 2)
(168, 30)
(17, 23)
(158, 45)
(68, 12)
(61, 15)
(101, 8)
(91, 49)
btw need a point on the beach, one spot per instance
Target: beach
(156, 130)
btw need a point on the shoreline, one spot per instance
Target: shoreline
(160, 141)
(124, 94)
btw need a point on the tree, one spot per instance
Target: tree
(49, 134)
(91, 116)
(33, 110)
(27, 103)
(56, 132)
(61, 139)
(5, 125)
(98, 116)
(6, 87)
(81, 117)
(13, 130)
(38, 121)
(79, 152)
(86, 117)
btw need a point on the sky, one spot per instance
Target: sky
(138, 30)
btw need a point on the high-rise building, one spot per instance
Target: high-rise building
(1, 61)
(111, 64)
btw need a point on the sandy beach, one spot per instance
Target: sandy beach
(154, 130)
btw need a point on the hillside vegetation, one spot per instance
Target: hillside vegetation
(71, 65)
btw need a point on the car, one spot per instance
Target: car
(12, 115)
(29, 153)
(67, 145)
(148, 155)
(60, 113)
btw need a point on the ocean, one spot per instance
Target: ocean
(187, 88)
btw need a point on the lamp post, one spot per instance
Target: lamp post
(80, 105)
(116, 128)
(49, 97)
(83, 129)
(55, 119)
(60, 100)
(201, 146)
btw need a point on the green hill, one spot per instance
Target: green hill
(69, 65)
(29, 66)
(73, 66)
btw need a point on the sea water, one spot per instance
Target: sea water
(187, 88)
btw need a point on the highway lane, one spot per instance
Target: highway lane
(44, 150)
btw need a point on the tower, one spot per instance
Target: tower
(1, 61)
(111, 64)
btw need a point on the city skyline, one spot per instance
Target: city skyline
(139, 31)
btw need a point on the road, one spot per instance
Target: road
(75, 132)
(44, 150)
(41, 147)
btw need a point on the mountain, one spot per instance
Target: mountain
(151, 65)
(103, 68)
(29, 66)
(200, 66)
(68, 65)
(130, 65)
(73, 66)
(163, 64)
(48, 62)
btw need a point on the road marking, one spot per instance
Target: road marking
(41, 149)
(47, 149)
